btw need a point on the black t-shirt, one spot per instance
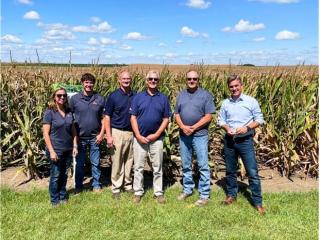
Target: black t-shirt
(60, 131)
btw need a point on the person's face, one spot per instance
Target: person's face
(235, 88)
(152, 81)
(87, 86)
(125, 80)
(192, 80)
(60, 97)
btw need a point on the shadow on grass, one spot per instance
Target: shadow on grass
(242, 188)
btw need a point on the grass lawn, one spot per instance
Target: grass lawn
(29, 215)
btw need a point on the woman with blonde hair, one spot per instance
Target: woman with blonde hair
(61, 140)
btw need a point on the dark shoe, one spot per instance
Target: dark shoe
(160, 199)
(260, 209)
(228, 201)
(116, 196)
(136, 199)
(77, 191)
(201, 202)
(183, 196)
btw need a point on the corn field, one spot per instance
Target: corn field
(288, 97)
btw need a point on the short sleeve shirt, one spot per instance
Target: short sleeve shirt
(117, 108)
(60, 130)
(193, 106)
(150, 111)
(88, 114)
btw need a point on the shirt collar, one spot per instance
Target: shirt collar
(124, 93)
(156, 94)
(238, 99)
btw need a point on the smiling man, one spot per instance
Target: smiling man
(87, 107)
(193, 113)
(239, 116)
(150, 112)
(119, 135)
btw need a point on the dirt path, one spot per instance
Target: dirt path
(270, 179)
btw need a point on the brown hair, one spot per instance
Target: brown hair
(52, 103)
(88, 77)
(232, 78)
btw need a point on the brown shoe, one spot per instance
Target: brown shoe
(97, 190)
(136, 199)
(129, 191)
(228, 201)
(183, 196)
(116, 196)
(201, 202)
(160, 199)
(260, 209)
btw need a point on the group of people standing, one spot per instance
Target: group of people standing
(134, 124)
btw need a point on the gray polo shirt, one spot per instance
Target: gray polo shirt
(193, 106)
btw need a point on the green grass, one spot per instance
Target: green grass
(29, 215)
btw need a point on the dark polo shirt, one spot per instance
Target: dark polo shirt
(87, 113)
(117, 108)
(60, 130)
(150, 111)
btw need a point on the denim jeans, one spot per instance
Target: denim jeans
(244, 148)
(58, 177)
(200, 145)
(94, 159)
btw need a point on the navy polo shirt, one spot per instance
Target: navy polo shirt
(88, 114)
(60, 130)
(150, 111)
(117, 108)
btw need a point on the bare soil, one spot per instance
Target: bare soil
(270, 179)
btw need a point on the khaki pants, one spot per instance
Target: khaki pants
(122, 160)
(155, 153)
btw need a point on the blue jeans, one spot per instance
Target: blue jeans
(200, 146)
(94, 159)
(244, 148)
(58, 177)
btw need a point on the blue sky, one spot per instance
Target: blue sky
(261, 32)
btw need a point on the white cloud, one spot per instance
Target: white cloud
(125, 47)
(58, 34)
(32, 15)
(107, 41)
(276, 1)
(52, 26)
(200, 4)
(27, 2)
(205, 35)
(103, 27)
(259, 39)
(162, 44)
(287, 35)
(11, 39)
(42, 41)
(179, 41)
(244, 26)
(135, 36)
(93, 41)
(170, 55)
(95, 19)
(188, 32)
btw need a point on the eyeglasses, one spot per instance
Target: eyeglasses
(194, 79)
(61, 95)
(155, 79)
